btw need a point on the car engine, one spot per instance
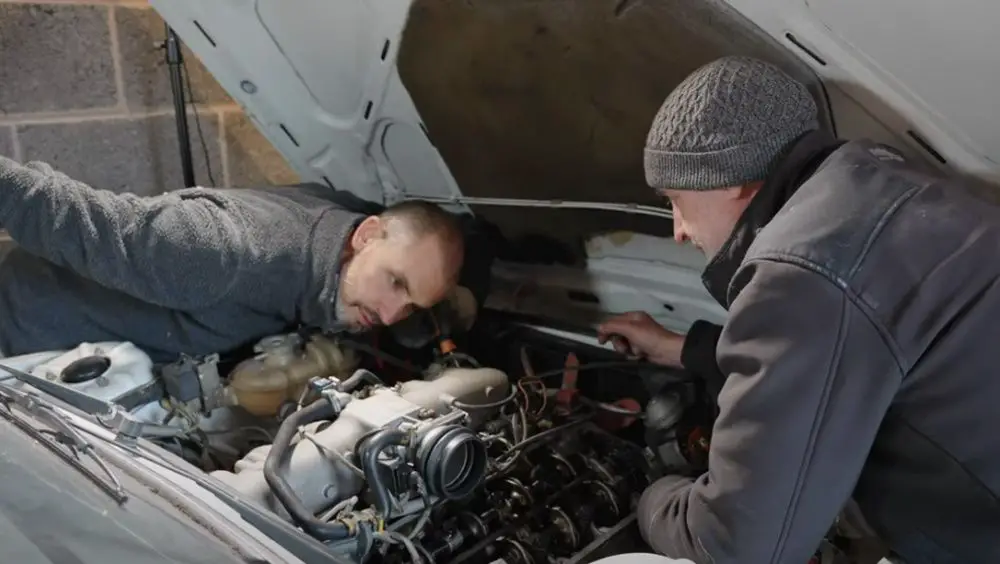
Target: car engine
(458, 462)
(456, 458)
(462, 465)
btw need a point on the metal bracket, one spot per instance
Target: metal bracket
(122, 424)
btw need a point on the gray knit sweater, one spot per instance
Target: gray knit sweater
(193, 271)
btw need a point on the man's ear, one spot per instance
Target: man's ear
(748, 191)
(368, 231)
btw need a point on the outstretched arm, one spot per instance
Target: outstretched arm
(637, 333)
(182, 250)
(799, 411)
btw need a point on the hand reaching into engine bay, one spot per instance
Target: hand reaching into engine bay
(636, 333)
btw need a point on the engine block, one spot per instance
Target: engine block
(322, 467)
(560, 501)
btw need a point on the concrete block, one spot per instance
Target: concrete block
(55, 57)
(138, 155)
(253, 161)
(7, 141)
(144, 67)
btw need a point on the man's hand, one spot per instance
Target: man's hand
(636, 333)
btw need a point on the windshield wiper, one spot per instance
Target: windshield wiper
(64, 434)
(108, 414)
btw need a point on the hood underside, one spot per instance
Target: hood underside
(511, 109)
(486, 102)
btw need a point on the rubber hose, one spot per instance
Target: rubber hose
(320, 409)
(374, 446)
(356, 378)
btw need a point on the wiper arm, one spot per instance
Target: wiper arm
(108, 414)
(65, 434)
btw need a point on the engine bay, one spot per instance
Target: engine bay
(506, 445)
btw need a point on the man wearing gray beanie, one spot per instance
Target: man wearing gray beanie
(857, 362)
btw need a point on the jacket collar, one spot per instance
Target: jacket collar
(802, 157)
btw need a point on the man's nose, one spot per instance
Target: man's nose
(680, 234)
(393, 310)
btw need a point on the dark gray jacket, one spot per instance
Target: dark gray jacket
(191, 271)
(859, 358)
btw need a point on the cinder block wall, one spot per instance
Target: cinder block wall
(84, 87)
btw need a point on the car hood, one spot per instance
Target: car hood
(42, 492)
(320, 82)
(397, 99)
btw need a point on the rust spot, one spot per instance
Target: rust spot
(620, 238)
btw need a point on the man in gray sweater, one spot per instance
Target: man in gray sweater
(203, 270)
(859, 356)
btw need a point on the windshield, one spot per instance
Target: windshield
(50, 513)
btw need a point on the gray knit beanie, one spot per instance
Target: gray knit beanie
(726, 125)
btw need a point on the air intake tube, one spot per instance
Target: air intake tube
(452, 460)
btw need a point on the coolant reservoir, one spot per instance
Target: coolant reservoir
(281, 370)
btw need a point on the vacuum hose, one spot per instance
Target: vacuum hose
(360, 375)
(374, 446)
(318, 410)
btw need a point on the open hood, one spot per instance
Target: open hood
(323, 80)
(319, 80)
(516, 109)
(920, 74)
(332, 84)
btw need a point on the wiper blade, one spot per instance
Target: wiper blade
(77, 399)
(108, 414)
(64, 434)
